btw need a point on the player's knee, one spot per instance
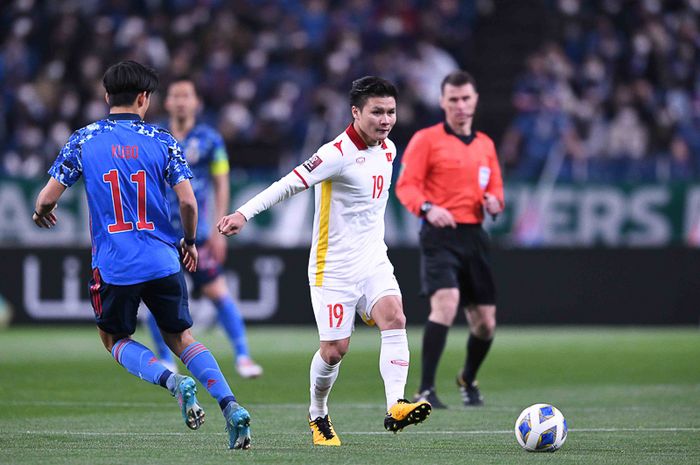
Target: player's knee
(178, 342)
(109, 340)
(108, 345)
(485, 328)
(443, 314)
(333, 358)
(387, 313)
(399, 319)
(333, 354)
(395, 319)
(443, 306)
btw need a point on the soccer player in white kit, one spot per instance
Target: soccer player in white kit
(349, 270)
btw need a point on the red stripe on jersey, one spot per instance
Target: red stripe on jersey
(301, 177)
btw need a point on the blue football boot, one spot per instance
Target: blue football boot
(237, 426)
(185, 390)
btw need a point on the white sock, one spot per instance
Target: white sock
(393, 364)
(321, 377)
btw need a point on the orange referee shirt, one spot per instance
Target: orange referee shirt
(441, 168)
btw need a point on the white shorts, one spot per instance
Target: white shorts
(334, 308)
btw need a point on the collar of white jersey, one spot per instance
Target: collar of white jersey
(357, 139)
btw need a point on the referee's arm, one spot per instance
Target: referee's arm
(414, 169)
(495, 186)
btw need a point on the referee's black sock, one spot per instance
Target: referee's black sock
(434, 339)
(476, 353)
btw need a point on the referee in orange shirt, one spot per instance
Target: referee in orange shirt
(449, 177)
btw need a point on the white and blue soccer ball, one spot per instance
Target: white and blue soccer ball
(541, 428)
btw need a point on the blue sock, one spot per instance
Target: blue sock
(138, 360)
(203, 366)
(163, 350)
(230, 318)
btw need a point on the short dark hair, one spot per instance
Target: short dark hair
(184, 78)
(457, 78)
(370, 86)
(123, 81)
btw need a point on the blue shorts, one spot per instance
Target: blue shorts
(208, 269)
(116, 306)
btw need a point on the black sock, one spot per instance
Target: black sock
(476, 353)
(434, 339)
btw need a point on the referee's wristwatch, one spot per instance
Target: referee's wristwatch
(425, 208)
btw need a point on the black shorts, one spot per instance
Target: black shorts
(458, 258)
(116, 306)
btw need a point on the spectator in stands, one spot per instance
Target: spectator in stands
(254, 62)
(632, 78)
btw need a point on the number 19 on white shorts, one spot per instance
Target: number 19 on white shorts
(334, 308)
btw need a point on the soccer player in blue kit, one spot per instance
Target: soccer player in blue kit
(126, 164)
(207, 158)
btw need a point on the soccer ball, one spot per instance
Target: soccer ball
(541, 428)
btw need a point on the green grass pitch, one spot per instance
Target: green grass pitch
(630, 396)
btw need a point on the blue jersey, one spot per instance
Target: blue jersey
(206, 155)
(126, 164)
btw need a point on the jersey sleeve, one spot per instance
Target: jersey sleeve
(176, 169)
(323, 165)
(68, 166)
(219, 162)
(414, 169)
(326, 163)
(495, 185)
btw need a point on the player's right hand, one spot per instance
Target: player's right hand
(190, 256)
(440, 217)
(45, 221)
(231, 224)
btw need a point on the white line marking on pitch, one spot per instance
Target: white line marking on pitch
(578, 430)
(254, 406)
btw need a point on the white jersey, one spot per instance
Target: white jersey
(351, 183)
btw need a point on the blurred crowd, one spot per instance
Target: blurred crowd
(273, 75)
(613, 96)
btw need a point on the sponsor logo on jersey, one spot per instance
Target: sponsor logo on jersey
(360, 160)
(402, 363)
(338, 146)
(312, 163)
(388, 157)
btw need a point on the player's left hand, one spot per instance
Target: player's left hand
(231, 224)
(217, 246)
(45, 221)
(492, 204)
(190, 256)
